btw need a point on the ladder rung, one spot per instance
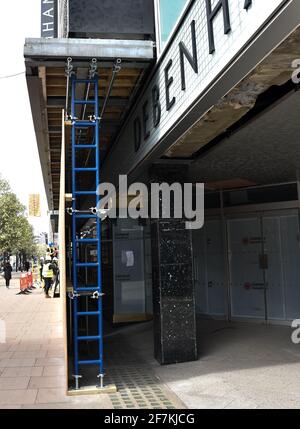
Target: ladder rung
(78, 170)
(87, 289)
(85, 146)
(89, 362)
(86, 216)
(88, 313)
(87, 240)
(84, 124)
(84, 102)
(86, 192)
(89, 338)
(87, 264)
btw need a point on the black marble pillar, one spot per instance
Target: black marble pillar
(173, 284)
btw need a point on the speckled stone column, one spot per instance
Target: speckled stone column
(173, 285)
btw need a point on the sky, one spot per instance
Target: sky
(19, 160)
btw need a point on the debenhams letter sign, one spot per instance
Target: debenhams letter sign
(209, 37)
(49, 19)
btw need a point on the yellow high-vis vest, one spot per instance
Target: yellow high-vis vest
(47, 273)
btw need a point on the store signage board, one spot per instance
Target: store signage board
(48, 19)
(210, 36)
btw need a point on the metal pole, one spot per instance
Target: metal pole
(74, 247)
(116, 69)
(98, 198)
(69, 71)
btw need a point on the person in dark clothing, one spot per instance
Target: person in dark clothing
(42, 260)
(7, 273)
(27, 266)
(56, 274)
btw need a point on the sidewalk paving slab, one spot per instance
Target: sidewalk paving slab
(32, 372)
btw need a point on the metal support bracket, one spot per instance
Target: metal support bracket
(93, 68)
(69, 70)
(93, 210)
(73, 119)
(97, 295)
(73, 295)
(117, 65)
(77, 377)
(93, 118)
(69, 211)
(101, 378)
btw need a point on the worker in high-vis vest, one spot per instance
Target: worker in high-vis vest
(47, 275)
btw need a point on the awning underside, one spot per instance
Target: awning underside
(46, 62)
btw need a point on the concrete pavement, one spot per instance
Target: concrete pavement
(31, 358)
(240, 365)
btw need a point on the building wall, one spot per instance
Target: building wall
(129, 151)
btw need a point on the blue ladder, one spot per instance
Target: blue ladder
(78, 290)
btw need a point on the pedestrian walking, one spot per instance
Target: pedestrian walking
(7, 273)
(48, 275)
(56, 275)
(42, 261)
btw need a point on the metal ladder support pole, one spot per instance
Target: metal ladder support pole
(98, 199)
(74, 245)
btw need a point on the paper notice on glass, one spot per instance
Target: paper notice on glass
(128, 258)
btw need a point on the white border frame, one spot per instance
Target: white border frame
(161, 49)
